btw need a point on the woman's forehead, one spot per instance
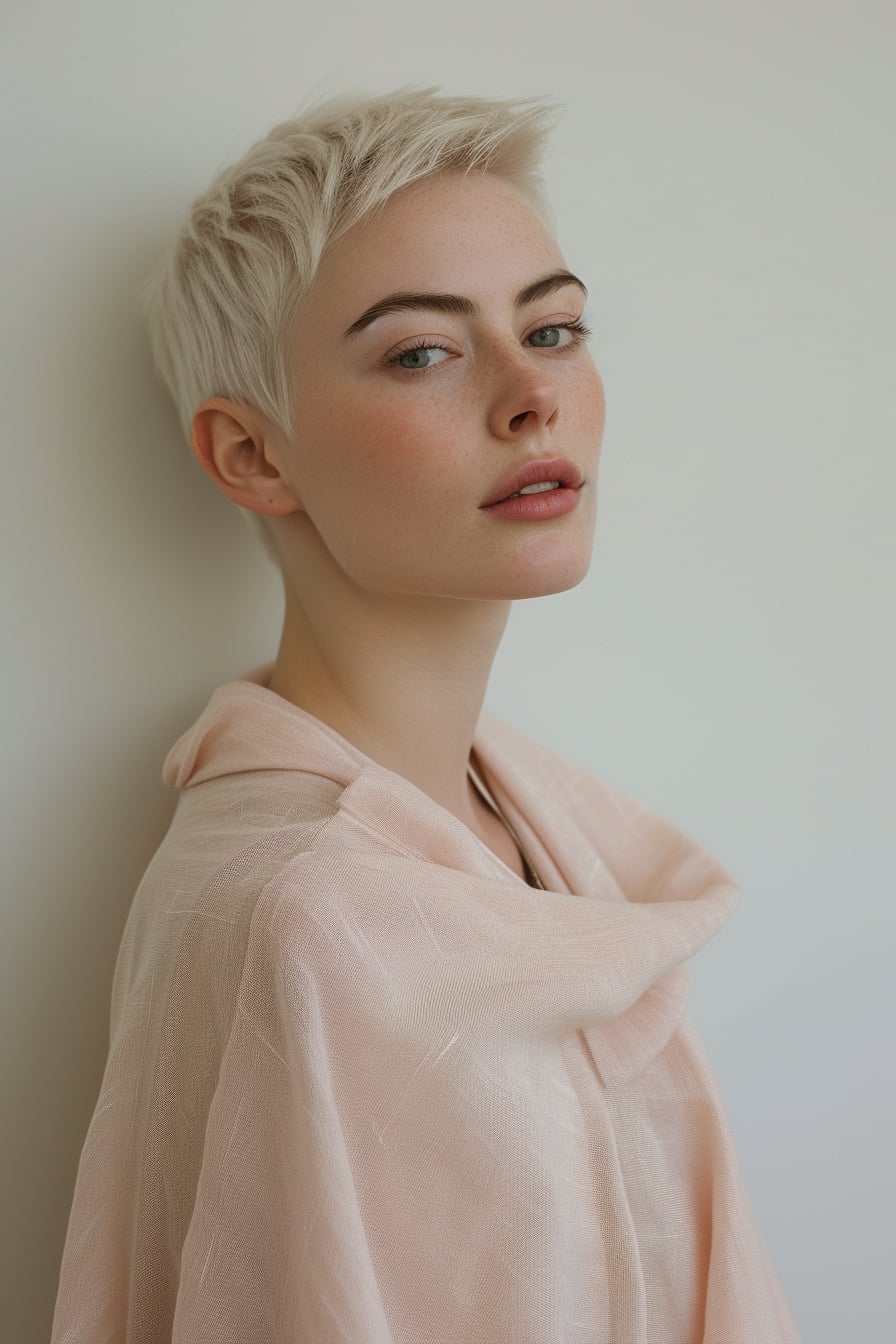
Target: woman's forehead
(445, 233)
(446, 203)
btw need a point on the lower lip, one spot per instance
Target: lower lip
(543, 504)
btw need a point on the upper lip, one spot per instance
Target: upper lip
(530, 473)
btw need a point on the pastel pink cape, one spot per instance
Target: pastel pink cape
(365, 1085)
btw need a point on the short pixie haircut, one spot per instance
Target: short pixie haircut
(221, 303)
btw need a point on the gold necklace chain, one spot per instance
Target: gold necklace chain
(524, 853)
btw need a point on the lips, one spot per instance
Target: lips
(530, 473)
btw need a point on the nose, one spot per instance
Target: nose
(525, 399)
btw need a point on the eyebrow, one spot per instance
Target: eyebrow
(458, 303)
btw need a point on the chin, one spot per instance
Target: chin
(552, 568)
(559, 583)
(543, 579)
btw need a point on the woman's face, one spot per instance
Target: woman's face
(396, 453)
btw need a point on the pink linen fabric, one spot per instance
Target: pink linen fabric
(365, 1086)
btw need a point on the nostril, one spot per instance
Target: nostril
(516, 420)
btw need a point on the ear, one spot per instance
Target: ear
(237, 446)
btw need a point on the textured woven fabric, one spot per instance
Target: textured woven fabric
(365, 1085)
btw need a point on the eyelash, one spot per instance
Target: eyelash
(580, 331)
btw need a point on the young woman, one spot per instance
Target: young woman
(399, 1048)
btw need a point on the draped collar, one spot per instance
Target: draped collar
(624, 885)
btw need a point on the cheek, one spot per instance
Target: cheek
(592, 401)
(389, 439)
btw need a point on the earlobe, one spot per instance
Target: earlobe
(228, 442)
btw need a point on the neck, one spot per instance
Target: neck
(401, 677)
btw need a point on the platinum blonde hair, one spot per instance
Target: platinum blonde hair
(220, 304)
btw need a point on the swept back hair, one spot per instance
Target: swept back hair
(220, 304)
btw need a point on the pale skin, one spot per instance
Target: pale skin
(397, 585)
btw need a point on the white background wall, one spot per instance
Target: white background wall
(724, 183)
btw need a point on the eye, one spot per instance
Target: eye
(578, 332)
(417, 356)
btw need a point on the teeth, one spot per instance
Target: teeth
(534, 489)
